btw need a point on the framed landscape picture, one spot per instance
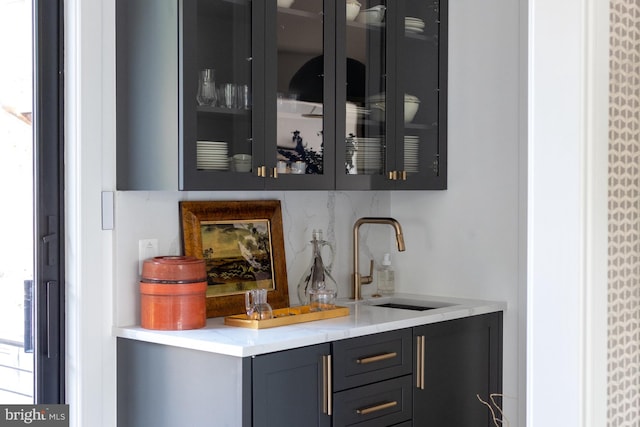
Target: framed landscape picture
(243, 248)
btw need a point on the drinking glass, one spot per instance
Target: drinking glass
(256, 304)
(230, 95)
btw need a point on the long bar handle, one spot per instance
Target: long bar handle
(327, 386)
(377, 358)
(420, 341)
(376, 408)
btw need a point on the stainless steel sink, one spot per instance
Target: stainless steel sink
(406, 303)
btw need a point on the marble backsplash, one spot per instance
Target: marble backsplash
(154, 215)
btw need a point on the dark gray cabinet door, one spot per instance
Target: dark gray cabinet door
(299, 94)
(221, 83)
(462, 360)
(391, 114)
(419, 149)
(290, 388)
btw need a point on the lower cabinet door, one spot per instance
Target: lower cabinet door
(381, 404)
(290, 388)
(457, 361)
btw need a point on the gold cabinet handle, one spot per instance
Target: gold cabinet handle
(274, 172)
(376, 408)
(327, 386)
(403, 175)
(377, 358)
(262, 171)
(420, 341)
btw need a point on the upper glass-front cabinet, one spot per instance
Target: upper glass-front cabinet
(281, 94)
(391, 119)
(300, 93)
(221, 133)
(256, 94)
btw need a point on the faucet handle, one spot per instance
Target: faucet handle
(365, 280)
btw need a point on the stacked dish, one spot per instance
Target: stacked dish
(411, 155)
(357, 110)
(367, 156)
(413, 25)
(212, 155)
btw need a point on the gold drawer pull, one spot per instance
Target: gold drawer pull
(327, 386)
(377, 358)
(420, 361)
(376, 408)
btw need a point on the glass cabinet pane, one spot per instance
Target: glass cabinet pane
(365, 117)
(418, 80)
(222, 78)
(301, 98)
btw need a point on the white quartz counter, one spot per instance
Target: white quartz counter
(364, 319)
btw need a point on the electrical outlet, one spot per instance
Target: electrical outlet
(147, 248)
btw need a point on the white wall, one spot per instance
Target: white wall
(567, 212)
(467, 241)
(149, 215)
(89, 169)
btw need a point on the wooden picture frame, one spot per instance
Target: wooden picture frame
(242, 244)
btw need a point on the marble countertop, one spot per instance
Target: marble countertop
(364, 319)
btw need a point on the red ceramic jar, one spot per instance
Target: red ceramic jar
(173, 293)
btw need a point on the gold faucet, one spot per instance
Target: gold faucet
(358, 279)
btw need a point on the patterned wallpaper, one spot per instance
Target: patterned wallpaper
(624, 216)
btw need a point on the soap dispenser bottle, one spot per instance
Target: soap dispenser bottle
(386, 277)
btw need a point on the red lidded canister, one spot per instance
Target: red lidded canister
(173, 293)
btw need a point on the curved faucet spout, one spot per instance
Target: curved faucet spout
(358, 279)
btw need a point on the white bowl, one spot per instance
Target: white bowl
(241, 162)
(377, 112)
(410, 110)
(285, 3)
(353, 8)
(372, 15)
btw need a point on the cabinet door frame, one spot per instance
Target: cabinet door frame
(326, 181)
(394, 160)
(488, 326)
(190, 177)
(423, 180)
(273, 406)
(344, 181)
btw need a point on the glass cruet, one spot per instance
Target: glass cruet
(207, 87)
(317, 287)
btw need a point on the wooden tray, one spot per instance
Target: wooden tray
(286, 316)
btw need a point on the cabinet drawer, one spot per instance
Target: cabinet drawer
(372, 358)
(382, 404)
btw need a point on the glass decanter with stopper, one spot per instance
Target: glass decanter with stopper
(317, 287)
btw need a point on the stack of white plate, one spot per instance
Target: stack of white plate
(356, 111)
(411, 155)
(368, 155)
(213, 155)
(413, 25)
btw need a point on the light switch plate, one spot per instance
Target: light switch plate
(147, 248)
